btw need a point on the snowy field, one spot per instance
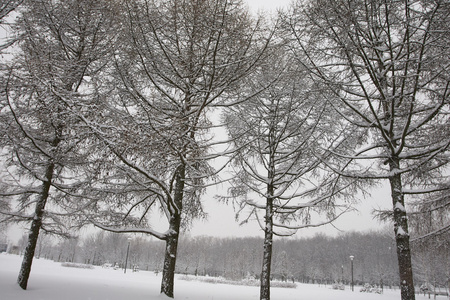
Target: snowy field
(51, 281)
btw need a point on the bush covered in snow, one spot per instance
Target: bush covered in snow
(74, 265)
(246, 281)
(338, 286)
(367, 288)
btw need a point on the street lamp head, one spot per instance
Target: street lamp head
(351, 257)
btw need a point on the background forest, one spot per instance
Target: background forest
(320, 259)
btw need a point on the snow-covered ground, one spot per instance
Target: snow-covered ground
(51, 281)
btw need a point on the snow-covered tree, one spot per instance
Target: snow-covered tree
(176, 60)
(388, 64)
(59, 45)
(278, 136)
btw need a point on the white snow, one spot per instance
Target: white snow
(51, 281)
(399, 206)
(400, 231)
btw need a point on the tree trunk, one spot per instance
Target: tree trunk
(172, 240)
(170, 257)
(268, 229)
(36, 224)
(268, 241)
(401, 235)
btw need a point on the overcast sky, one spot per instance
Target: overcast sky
(221, 218)
(270, 5)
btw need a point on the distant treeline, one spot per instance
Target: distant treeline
(319, 259)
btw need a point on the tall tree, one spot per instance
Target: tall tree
(60, 44)
(177, 59)
(279, 135)
(387, 65)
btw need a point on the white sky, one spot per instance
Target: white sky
(221, 218)
(269, 5)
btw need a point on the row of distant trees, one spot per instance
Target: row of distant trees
(320, 259)
(109, 111)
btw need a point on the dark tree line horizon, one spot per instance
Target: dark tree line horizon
(320, 259)
(109, 111)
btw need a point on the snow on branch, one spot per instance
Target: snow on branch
(425, 191)
(309, 225)
(159, 235)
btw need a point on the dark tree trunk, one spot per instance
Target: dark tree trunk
(170, 258)
(268, 241)
(268, 229)
(36, 224)
(401, 235)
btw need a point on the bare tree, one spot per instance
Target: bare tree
(176, 60)
(279, 135)
(387, 65)
(60, 44)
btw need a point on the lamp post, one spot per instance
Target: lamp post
(126, 258)
(351, 261)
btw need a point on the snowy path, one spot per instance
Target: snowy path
(51, 281)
